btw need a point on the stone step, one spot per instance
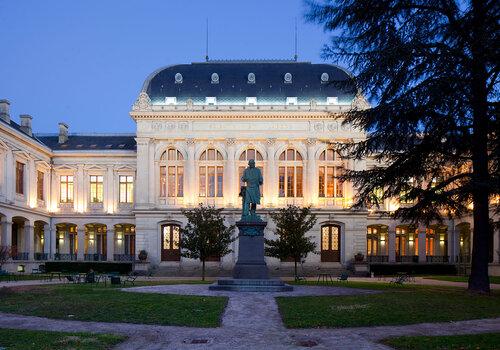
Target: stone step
(251, 285)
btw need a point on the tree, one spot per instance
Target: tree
(431, 69)
(292, 224)
(205, 235)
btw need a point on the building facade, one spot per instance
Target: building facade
(106, 197)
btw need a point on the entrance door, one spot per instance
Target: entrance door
(330, 243)
(170, 235)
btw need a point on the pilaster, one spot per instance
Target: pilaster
(422, 258)
(191, 190)
(270, 183)
(110, 244)
(230, 189)
(392, 244)
(81, 243)
(29, 240)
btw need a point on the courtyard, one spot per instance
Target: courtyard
(184, 314)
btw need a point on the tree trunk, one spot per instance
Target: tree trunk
(295, 270)
(203, 270)
(479, 280)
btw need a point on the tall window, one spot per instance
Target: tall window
(19, 178)
(245, 156)
(66, 189)
(330, 243)
(171, 174)
(329, 170)
(96, 189)
(39, 185)
(126, 188)
(170, 243)
(430, 235)
(211, 174)
(290, 172)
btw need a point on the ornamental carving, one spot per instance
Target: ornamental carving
(271, 141)
(143, 103)
(334, 126)
(230, 141)
(190, 142)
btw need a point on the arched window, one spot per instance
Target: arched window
(211, 174)
(171, 173)
(66, 242)
(245, 156)
(330, 243)
(330, 167)
(290, 172)
(95, 242)
(170, 243)
(124, 242)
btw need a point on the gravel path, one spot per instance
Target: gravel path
(250, 321)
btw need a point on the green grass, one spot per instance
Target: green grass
(393, 306)
(13, 339)
(483, 341)
(493, 279)
(109, 304)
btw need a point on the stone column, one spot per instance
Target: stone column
(141, 190)
(191, 191)
(29, 240)
(81, 243)
(109, 205)
(311, 178)
(6, 231)
(80, 190)
(391, 236)
(110, 244)
(53, 241)
(47, 240)
(422, 258)
(229, 191)
(270, 183)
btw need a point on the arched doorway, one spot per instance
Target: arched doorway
(66, 242)
(170, 242)
(19, 239)
(330, 243)
(376, 243)
(95, 242)
(40, 240)
(124, 242)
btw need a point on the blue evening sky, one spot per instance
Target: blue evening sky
(83, 62)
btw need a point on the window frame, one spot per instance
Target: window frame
(98, 183)
(330, 166)
(129, 193)
(40, 186)
(291, 169)
(208, 166)
(66, 185)
(20, 174)
(171, 173)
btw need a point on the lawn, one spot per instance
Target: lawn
(493, 279)
(392, 306)
(109, 304)
(483, 341)
(13, 339)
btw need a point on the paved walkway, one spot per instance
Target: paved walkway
(250, 321)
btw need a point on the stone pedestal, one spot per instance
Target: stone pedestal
(250, 272)
(251, 263)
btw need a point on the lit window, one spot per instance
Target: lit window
(19, 178)
(96, 189)
(330, 168)
(171, 100)
(66, 188)
(126, 189)
(404, 196)
(291, 100)
(211, 100)
(211, 174)
(251, 101)
(290, 173)
(332, 100)
(39, 186)
(171, 173)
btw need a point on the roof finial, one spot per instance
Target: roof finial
(206, 48)
(295, 56)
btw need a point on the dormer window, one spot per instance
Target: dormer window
(211, 101)
(171, 100)
(251, 78)
(288, 78)
(324, 78)
(332, 100)
(251, 101)
(178, 78)
(291, 101)
(215, 78)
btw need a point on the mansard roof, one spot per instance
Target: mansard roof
(89, 142)
(231, 82)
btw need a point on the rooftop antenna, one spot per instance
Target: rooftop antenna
(206, 47)
(295, 56)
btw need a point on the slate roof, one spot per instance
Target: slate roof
(234, 87)
(80, 142)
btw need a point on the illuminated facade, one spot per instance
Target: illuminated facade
(106, 197)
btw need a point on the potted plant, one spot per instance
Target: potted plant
(359, 257)
(143, 255)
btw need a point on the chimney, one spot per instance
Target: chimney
(26, 123)
(63, 132)
(5, 110)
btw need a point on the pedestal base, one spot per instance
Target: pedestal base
(251, 263)
(251, 285)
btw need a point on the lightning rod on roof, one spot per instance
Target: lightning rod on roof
(295, 56)
(206, 47)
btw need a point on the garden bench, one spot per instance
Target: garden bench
(130, 278)
(400, 279)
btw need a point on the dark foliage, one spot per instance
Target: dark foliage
(431, 69)
(292, 224)
(205, 235)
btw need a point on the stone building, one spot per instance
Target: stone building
(106, 197)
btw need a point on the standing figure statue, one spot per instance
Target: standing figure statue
(252, 177)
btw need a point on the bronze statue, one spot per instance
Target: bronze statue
(252, 177)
